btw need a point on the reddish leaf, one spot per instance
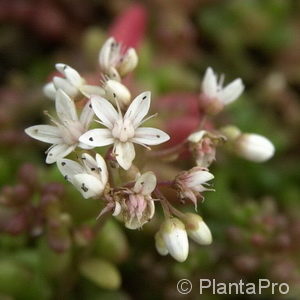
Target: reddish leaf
(129, 28)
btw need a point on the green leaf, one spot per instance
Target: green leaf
(102, 273)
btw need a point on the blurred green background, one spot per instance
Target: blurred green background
(47, 249)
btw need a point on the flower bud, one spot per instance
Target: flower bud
(203, 146)
(231, 132)
(254, 147)
(128, 63)
(175, 238)
(117, 91)
(197, 229)
(160, 244)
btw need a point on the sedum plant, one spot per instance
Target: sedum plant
(89, 117)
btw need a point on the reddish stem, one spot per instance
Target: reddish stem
(177, 149)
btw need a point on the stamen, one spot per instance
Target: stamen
(148, 118)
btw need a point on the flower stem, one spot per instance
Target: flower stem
(163, 202)
(177, 149)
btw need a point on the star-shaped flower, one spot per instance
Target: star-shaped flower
(89, 178)
(214, 95)
(67, 130)
(123, 131)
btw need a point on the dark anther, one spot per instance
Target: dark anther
(84, 188)
(144, 97)
(63, 163)
(93, 169)
(91, 139)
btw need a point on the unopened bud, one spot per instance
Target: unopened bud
(231, 132)
(116, 91)
(129, 62)
(254, 147)
(175, 238)
(197, 229)
(160, 245)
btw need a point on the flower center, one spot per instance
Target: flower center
(71, 132)
(123, 130)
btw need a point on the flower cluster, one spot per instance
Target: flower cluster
(110, 118)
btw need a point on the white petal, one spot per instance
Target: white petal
(125, 154)
(45, 133)
(139, 108)
(50, 90)
(129, 62)
(199, 178)
(102, 168)
(104, 111)
(196, 137)
(88, 185)
(209, 83)
(89, 162)
(65, 107)
(90, 90)
(61, 68)
(150, 136)
(58, 151)
(232, 91)
(104, 55)
(97, 137)
(87, 115)
(69, 168)
(84, 146)
(145, 184)
(73, 76)
(68, 88)
(117, 210)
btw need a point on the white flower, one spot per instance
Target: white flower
(115, 61)
(215, 94)
(123, 131)
(254, 147)
(197, 229)
(175, 238)
(138, 208)
(192, 183)
(89, 178)
(72, 84)
(67, 130)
